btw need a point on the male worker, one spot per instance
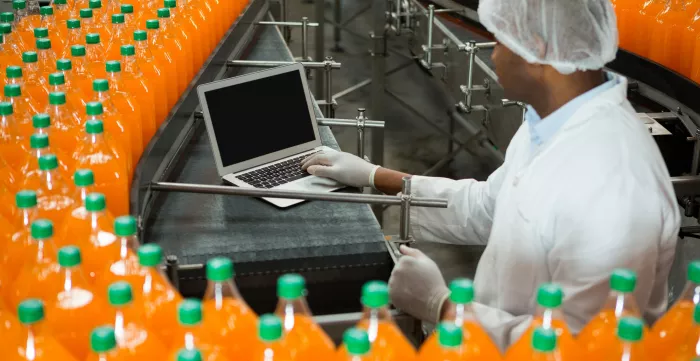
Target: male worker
(583, 189)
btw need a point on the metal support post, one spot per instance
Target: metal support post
(428, 48)
(468, 90)
(171, 268)
(304, 38)
(336, 29)
(320, 41)
(361, 118)
(330, 106)
(405, 217)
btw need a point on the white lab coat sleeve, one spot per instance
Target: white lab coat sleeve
(469, 215)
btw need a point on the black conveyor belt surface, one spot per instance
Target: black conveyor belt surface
(327, 242)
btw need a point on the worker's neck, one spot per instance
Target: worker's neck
(561, 89)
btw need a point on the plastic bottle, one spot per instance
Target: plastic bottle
(666, 31)
(91, 25)
(164, 92)
(8, 55)
(74, 36)
(191, 334)
(198, 17)
(126, 130)
(76, 309)
(12, 41)
(643, 19)
(688, 41)
(117, 131)
(271, 345)
(84, 181)
(58, 84)
(225, 311)
(57, 32)
(598, 337)
(39, 146)
(47, 57)
(12, 145)
(356, 342)
(175, 44)
(684, 350)
(36, 342)
(81, 79)
(135, 341)
(477, 343)
(120, 36)
(54, 193)
(306, 340)
(130, 19)
(669, 331)
(64, 126)
(388, 343)
(449, 348)
(19, 249)
(136, 84)
(103, 344)
(22, 109)
(628, 344)
(549, 316)
(39, 276)
(24, 23)
(127, 103)
(163, 56)
(62, 11)
(100, 14)
(214, 25)
(34, 84)
(189, 30)
(95, 56)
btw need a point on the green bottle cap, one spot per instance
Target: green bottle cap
(60, 2)
(95, 202)
(269, 328)
(2, 37)
(25, 199)
(95, 4)
(30, 57)
(94, 126)
(13, 72)
(41, 33)
(696, 314)
(12, 90)
(356, 341)
(623, 280)
(32, 310)
(92, 38)
(544, 340)
(5, 28)
(102, 339)
(127, 50)
(42, 229)
(77, 50)
(73, 23)
(113, 66)
(630, 329)
(48, 162)
(694, 271)
(170, 4)
(7, 17)
(117, 18)
(125, 226)
(57, 98)
(189, 355)
(375, 294)
(85, 13)
(127, 9)
(64, 64)
(150, 255)
(57, 78)
(100, 85)
(6, 108)
(449, 335)
(461, 291)
(550, 295)
(219, 269)
(152, 24)
(46, 11)
(83, 178)
(69, 256)
(94, 108)
(189, 312)
(140, 35)
(163, 13)
(43, 44)
(39, 141)
(41, 120)
(19, 4)
(119, 293)
(291, 286)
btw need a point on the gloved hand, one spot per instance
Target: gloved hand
(343, 167)
(416, 285)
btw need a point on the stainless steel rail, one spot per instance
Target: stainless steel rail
(273, 63)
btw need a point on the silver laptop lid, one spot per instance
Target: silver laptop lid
(259, 118)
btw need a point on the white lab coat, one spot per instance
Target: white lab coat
(595, 197)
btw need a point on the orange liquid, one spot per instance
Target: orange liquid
(56, 33)
(275, 351)
(81, 80)
(307, 341)
(136, 85)
(25, 28)
(695, 69)
(444, 354)
(389, 343)
(201, 338)
(95, 60)
(684, 350)
(47, 62)
(30, 169)
(216, 25)
(9, 326)
(599, 338)
(567, 346)
(128, 104)
(178, 48)
(168, 62)
(670, 331)
(17, 248)
(159, 301)
(54, 198)
(38, 341)
(23, 113)
(39, 276)
(12, 145)
(619, 352)
(230, 320)
(192, 33)
(62, 13)
(35, 86)
(91, 25)
(136, 342)
(156, 76)
(7, 56)
(65, 129)
(125, 130)
(643, 19)
(665, 34)
(73, 37)
(120, 36)
(477, 345)
(690, 34)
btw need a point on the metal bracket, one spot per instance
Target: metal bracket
(401, 16)
(471, 48)
(330, 103)
(510, 103)
(405, 216)
(361, 119)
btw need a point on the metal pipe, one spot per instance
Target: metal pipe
(285, 194)
(319, 42)
(286, 31)
(274, 63)
(349, 122)
(304, 38)
(397, 18)
(330, 109)
(470, 77)
(428, 50)
(686, 185)
(405, 217)
(287, 23)
(487, 45)
(171, 269)
(361, 119)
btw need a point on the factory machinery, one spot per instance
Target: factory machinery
(336, 242)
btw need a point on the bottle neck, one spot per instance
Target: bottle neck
(28, 215)
(20, 14)
(30, 348)
(622, 304)
(92, 51)
(45, 54)
(38, 152)
(43, 250)
(154, 36)
(373, 317)
(287, 309)
(74, 36)
(83, 193)
(118, 30)
(129, 64)
(691, 292)
(58, 88)
(102, 97)
(95, 139)
(78, 63)
(47, 21)
(459, 313)
(7, 122)
(70, 275)
(31, 69)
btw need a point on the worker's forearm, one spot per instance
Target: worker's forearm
(389, 181)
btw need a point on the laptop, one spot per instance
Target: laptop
(261, 126)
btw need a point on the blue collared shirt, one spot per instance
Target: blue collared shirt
(541, 130)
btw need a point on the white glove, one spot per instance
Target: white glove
(342, 167)
(416, 286)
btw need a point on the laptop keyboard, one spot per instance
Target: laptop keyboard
(276, 174)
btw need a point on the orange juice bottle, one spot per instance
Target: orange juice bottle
(39, 144)
(103, 344)
(199, 17)
(8, 55)
(57, 32)
(91, 25)
(120, 36)
(39, 276)
(134, 339)
(191, 334)
(270, 345)
(136, 84)
(628, 345)
(34, 83)
(543, 347)
(643, 20)
(46, 56)
(449, 347)
(13, 41)
(130, 19)
(127, 103)
(12, 145)
(42, 124)
(18, 250)
(58, 84)
(357, 346)
(598, 337)
(81, 78)
(477, 343)
(128, 134)
(690, 35)
(22, 109)
(163, 56)
(74, 36)
(306, 340)
(665, 34)
(684, 350)
(190, 32)
(549, 316)
(165, 93)
(225, 311)
(95, 56)
(24, 22)
(388, 343)
(36, 342)
(84, 181)
(175, 44)
(215, 19)
(14, 75)
(64, 126)
(76, 301)
(669, 331)
(62, 11)
(126, 266)
(100, 154)
(54, 193)
(100, 14)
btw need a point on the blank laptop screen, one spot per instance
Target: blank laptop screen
(259, 117)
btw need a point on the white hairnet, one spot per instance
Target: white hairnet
(569, 35)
